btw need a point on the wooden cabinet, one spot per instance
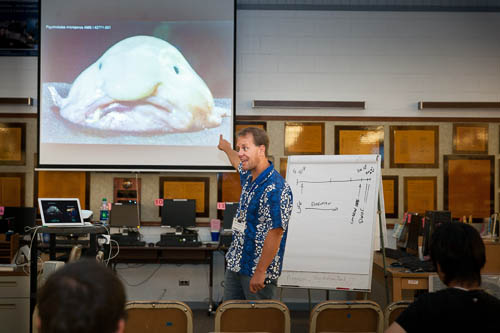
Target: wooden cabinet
(8, 248)
(127, 190)
(14, 302)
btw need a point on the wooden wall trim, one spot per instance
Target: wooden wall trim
(18, 115)
(16, 101)
(364, 119)
(308, 104)
(458, 105)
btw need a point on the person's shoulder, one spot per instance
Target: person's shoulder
(488, 298)
(280, 183)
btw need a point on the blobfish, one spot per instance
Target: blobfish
(141, 84)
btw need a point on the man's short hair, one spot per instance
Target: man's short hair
(260, 137)
(81, 297)
(459, 251)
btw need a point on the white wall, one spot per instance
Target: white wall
(390, 60)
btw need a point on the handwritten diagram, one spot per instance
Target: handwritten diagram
(362, 183)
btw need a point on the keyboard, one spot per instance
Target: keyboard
(178, 244)
(414, 264)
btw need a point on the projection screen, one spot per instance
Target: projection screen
(136, 85)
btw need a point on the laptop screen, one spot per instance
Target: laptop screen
(60, 212)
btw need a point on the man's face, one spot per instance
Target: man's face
(250, 155)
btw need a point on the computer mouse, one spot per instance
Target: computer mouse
(151, 244)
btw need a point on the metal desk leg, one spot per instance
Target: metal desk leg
(210, 283)
(33, 276)
(52, 246)
(92, 245)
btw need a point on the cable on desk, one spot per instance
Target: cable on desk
(28, 230)
(142, 282)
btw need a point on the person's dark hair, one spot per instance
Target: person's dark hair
(260, 137)
(459, 251)
(81, 297)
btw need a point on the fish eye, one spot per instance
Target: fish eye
(176, 69)
(100, 65)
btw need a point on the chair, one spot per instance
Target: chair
(253, 316)
(346, 316)
(160, 316)
(393, 310)
(76, 253)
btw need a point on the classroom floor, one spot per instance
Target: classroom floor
(204, 323)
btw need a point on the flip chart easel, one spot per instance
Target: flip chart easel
(337, 202)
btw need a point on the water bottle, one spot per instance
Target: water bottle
(104, 213)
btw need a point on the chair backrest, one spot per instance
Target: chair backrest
(76, 253)
(160, 316)
(393, 310)
(253, 316)
(34, 319)
(346, 316)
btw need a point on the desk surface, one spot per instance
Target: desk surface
(90, 229)
(399, 278)
(378, 264)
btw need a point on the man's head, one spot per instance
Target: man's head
(457, 251)
(252, 145)
(82, 297)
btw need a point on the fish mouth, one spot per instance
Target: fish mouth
(101, 109)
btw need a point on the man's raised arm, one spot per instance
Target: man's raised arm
(232, 154)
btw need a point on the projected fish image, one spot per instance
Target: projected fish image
(53, 210)
(140, 85)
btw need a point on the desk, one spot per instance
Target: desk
(399, 278)
(92, 231)
(492, 249)
(177, 255)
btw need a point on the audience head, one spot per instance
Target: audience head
(260, 137)
(82, 297)
(457, 251)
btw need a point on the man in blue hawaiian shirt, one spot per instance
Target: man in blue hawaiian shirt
(255, 256)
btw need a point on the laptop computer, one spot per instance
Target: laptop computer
(60, 212)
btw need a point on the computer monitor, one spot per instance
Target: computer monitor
(17, 218)
(433, 218)
(124, 216)
(179, 213)
(228, 214)
(415, 228)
